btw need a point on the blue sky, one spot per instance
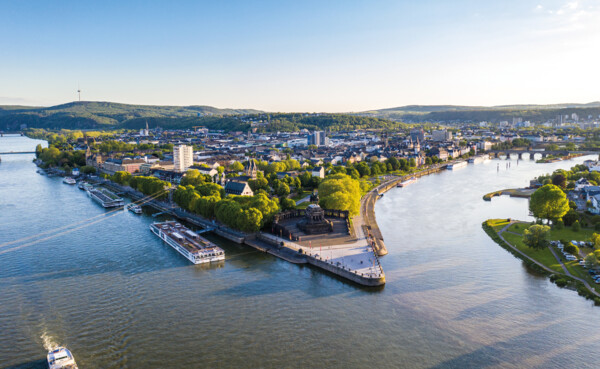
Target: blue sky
(300, 55)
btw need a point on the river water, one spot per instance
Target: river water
(118, 297)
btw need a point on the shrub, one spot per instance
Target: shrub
(561, 282)
(572, 249)
(559, 224)
(576, 227)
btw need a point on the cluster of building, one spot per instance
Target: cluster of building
(207, 150)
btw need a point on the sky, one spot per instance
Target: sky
(313, 56)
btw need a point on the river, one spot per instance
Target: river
(118, 297)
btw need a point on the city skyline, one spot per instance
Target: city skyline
(334, 57)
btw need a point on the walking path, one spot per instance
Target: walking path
(304, 199)
(585, 283)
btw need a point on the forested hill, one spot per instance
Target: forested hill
(99, 115)
(455, 113)
(105, 115)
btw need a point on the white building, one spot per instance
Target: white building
(183, 157)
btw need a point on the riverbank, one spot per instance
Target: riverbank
(512, 192)
(554, 159)
(355, 263)
(508, 234)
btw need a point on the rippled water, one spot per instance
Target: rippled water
(119, 298)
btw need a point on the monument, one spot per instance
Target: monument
(314, 221)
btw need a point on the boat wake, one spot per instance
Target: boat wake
(48, 342)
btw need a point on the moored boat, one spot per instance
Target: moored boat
(195, 248)
(105, 198)
(478, 159)
(407, 182)
(457, 165)
(134, 208)
(61, 358)
(69, 181)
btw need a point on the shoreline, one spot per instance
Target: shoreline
(562, 279)
(268, 243)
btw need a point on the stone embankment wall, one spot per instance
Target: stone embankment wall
(345, 273)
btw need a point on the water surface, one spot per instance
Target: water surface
(119, 298)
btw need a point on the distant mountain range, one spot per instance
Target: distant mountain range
(108, 115)
(91, 114)
(450, 113)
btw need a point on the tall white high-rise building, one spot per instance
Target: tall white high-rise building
(183, 157)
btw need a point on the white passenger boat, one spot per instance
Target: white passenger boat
(69, 181)
(195, 248)
(457, 165)
(407, 182)
(61, 358)
(134, 208)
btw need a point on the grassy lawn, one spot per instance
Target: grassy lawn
(556, 234)
(301, 195)
(303, 205)
(518, 227)
(568, 234)
(543, 256)
(498, 224)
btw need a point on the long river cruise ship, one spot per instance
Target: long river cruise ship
(194, 247)
(105, 198)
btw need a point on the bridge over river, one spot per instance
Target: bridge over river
(17, 152)
(532, 153)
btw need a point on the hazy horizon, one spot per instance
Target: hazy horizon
(336, 56)
(299, 111)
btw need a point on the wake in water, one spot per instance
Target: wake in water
(48, 342)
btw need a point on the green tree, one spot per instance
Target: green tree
(236, 166)
(287, 204)
(38, 150)
(576, 227)
(571, 249)
(549, 202)
(536, 236)
(87, 169)
(250, 220)
(340, 192)
(591, 261)
(258, 184)
(121, 177)
(559, 180)
(193, 177)
(595, 239)
(283, 190)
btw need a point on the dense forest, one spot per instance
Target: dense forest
(106, 115)
(495, 114)
(99, 116)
